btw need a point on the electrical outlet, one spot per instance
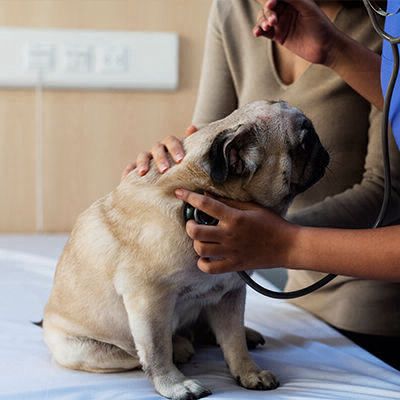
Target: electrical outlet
(112, 59)
(77, 59)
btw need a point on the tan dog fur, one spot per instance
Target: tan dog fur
(127, 279)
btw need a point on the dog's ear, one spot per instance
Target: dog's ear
(234, 153)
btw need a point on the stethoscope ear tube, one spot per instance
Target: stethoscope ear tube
(377, 9)
(386, 161)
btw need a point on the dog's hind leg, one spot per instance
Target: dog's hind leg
(182, 349)
(87, 354)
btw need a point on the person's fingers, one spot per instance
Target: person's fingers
(143, 162)
(257, 31)
(204, 249)
(190, 130)
(207, 204)
(271, 19)
(174, 147)
(239, 205)
(270, 4)
(275, 21)
(159, 154)
(214, 266)
(204, 233)
(129, 168)
(264, 27)
(268, 19)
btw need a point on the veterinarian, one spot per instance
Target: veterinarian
(250, 237)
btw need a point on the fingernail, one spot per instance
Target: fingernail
(179, 193)
(163, 168)
(141, 171)
(179, 157)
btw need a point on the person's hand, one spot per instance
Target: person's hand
(170, 144)
(247, 236)
(299, 25)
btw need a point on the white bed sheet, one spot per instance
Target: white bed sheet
(311, 360)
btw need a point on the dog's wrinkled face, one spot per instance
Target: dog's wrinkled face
(265, 151)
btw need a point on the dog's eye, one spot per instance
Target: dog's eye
(308, 140)
(302, 147)
(306, 144)
(306, 125)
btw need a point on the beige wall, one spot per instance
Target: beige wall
(89, 136)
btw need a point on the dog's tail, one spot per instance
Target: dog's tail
(39, 324)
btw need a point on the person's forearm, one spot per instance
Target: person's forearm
(366, 253)
(358, 66)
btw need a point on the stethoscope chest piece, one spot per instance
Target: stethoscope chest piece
(191, 213)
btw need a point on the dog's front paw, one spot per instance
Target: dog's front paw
(189, 389)
(258, 380)
(183, 349)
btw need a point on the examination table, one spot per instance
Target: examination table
(312, 360)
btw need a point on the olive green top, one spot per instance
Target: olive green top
(238, 69)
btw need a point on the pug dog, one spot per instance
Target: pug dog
(127, 279)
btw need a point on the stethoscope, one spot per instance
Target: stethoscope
(204, 219)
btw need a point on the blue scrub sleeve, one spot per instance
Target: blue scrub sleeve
(392, 26)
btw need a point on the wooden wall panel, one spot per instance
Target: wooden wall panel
(89, 136)
(17, 161)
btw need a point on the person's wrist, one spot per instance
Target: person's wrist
(336, 51)
(293, 240)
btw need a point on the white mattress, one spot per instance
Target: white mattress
(311, 360)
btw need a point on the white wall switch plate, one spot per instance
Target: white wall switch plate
(86, 59)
